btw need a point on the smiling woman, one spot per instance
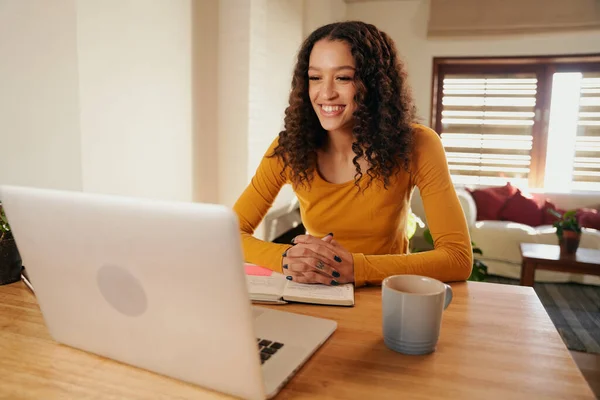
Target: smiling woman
(353, 155)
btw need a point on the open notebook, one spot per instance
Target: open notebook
(272, 288)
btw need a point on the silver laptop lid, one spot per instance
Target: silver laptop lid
(159, 285)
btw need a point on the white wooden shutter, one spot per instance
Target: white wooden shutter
(586, 165)
(486, 127)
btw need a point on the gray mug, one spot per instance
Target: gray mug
(412, 312)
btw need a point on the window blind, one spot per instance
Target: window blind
(586, 165)
(486, 127)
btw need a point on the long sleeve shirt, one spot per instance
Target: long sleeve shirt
(371, 224)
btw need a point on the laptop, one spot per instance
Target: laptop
(158, 285)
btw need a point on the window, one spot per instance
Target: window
(533, 122)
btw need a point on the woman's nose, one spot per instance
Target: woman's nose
(328, 90)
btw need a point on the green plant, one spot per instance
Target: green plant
(5, 232)
(566, 222)
(411, 224)
(479, 271)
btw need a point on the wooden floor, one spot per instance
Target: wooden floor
(589, 364)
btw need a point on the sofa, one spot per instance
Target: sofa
(499, 239)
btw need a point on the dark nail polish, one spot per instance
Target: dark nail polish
(289, 277)
(330, 234)
(334, 273)
(284, 254)
(336, 258)
(334, 283)
(284, 266)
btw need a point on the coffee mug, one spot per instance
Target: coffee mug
(412, 312)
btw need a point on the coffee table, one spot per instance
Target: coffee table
(547, 256)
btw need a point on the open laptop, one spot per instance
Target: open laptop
(158, 285)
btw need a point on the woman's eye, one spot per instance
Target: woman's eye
(314, 78)
(344, 78)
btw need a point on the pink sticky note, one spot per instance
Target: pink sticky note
(256, 270)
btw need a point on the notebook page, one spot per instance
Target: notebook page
(320, 293)
(266, 285)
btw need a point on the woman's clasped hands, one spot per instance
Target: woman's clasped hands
(314, 260)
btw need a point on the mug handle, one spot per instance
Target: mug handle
(449, 296)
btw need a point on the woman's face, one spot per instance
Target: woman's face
(331, 84)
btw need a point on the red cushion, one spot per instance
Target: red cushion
(547, 218)
(523, 209)
(588, 218)
(489, 201)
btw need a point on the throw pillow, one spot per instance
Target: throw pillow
(588, 218)
(523, 209)
(489, 201)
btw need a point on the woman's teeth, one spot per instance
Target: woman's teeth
(332, 108)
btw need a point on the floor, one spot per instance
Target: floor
(589, 364)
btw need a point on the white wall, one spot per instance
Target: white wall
(406, 22)
(258, 42)
(39, 110)
(170, 99)
(205, 93)
(322, 12)
(261, 65)
(282, 40)
(135, 97)
(233, 95)
(96, 96)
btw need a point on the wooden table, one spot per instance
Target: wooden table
(547, 256)
(497, 342)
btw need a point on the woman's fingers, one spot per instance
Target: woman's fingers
(311, 277)
(310, 264)
(308, 239)
(315, 248)
(335, 243)
(312, 251)
(328, 238)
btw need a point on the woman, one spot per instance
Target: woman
(353, 156)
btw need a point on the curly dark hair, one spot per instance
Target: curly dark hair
(383, 116)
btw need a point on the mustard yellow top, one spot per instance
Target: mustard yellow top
(370, 224)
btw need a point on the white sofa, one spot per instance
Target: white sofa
(499, 240)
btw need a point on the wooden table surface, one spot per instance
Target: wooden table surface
(497, 342)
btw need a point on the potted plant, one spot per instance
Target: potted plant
(568, 231)
(10, 260)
